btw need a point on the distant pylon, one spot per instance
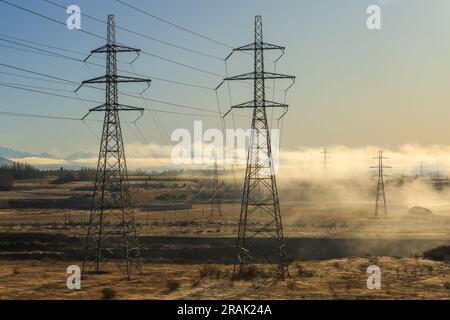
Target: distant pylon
(325, 153)
(216, 188)
(112, 231)
(380, 203)
(260, 234)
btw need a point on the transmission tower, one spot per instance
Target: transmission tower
(380, 203)
(112, 231)
(260, 192)
(325, 153)
(216, 188)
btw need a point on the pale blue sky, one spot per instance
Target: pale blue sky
(354, 87)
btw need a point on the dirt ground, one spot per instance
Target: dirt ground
(334, 219)
(401, 278)
(38, 244)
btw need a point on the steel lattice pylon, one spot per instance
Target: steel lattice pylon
(112, 231)
(260, 227)
(380, 203)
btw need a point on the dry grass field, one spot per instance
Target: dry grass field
(402, 278)
(188, 252)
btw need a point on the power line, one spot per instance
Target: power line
(143, 35)
(36, 73)
(154, 116)
(13, 84)
(95, 101)
(175, 25)
(56, 54)
(32, 78)
(51, 117)
(48, 18)
(146, 143)
(96, 88)
(40, 116)
(26, 50)
(43, 44)
(103, 38)
(178, 26)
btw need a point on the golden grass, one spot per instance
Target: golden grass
(406, 278)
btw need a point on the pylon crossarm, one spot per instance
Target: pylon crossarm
(119, 107)
(245, 76)
(272, 104)
(254, 76)
(263, 46)
(115, 79)
(284, 106)
(112, 48)
(121, 48)
(272, 75)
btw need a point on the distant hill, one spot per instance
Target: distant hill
(68, 162)
(13, 154)
(5, 162)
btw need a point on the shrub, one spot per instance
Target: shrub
(336, 265)
(209, 271)
(447, 285)
(195, 282)
(302, 273)
(108, 293)
(6, 181)
(292, 285)
(173, 285)
(251, 272)
(441, 253)
(65, 177)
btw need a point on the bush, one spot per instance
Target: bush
(292, 285)
(108, 293)
(65, 177)
(336, 265)
(6, 181)
(209, 271)
(302, 273)
(195, 282)
(441, 253)
(251, 272)
(173, 285)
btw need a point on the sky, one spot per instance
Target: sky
(354, 87)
